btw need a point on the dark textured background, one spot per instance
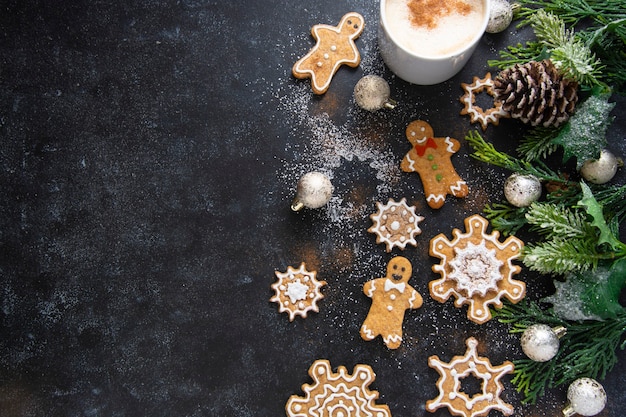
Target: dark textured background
(149, 151)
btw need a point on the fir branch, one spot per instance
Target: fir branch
(505, 218)
(573, 12)
(588, 348)
(486, 152)
(558, 222)
(570, 55)
(550, 29)
(519, 54)
(537, 143)
(559, 256)
(604, 31)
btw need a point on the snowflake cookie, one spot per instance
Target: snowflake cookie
(451, 374)
(395, 224)
(476, 268)
(337, 393)
(297, 291)
(476, 113)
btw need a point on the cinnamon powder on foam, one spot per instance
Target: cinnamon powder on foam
(426, 13)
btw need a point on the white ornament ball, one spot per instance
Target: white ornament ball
(522, 190)
(500, 16)
(372, 93)
(314, 190)
(601, 170)
(540, 342)
(586, 397)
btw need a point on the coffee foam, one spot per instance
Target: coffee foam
(451, 33)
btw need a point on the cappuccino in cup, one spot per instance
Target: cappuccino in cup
(435, 28)
(428, 41)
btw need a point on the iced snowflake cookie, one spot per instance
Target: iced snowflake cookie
(431, 157)
(297, 291)
(461, 403)
(395, 224)
(334, 47)
(476, 113)
(337, 393)
(391, 297)
(476, 268)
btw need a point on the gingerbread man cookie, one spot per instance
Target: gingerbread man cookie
(335, 47)
(391, 297)
(451, 374)
(430, 158)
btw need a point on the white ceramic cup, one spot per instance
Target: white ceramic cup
(426, 69)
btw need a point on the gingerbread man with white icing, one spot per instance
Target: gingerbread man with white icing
(430, 158)
(391, 297)
(335, 47)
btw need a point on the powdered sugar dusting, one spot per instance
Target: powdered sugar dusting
(319, 143)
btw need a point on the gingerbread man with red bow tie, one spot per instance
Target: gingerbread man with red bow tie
(391, 297)
(430, 158)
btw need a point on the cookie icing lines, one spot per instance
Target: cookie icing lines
(477, 269)
(470, 364)
(337, 393)
(297, 291)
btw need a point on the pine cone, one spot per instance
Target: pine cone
(536, 93)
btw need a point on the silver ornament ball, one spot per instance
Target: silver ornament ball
(540, 342)
(500, 16)
(522, 190)
(314, 190)
(586, 397)
(601, 170)
(372, 93)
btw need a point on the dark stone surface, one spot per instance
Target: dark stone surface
(149, 151)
